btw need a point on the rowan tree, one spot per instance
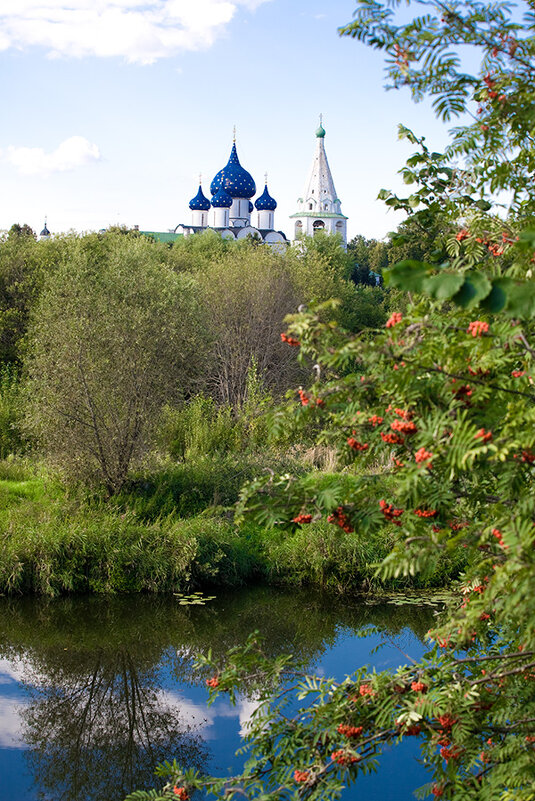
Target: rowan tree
(436, 413)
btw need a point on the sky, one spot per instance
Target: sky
(113, 108)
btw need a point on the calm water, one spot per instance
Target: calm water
(95, 692)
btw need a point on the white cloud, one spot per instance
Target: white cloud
(10, 724)
(141, 31)
(70, 154)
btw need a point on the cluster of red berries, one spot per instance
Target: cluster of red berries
(390, 513)
(495, 250)
(341, 757)
(450, 753)
(366, 689)
(457, 526)
(498, 534)
(394, 319)
(290, 340)
(484, 436)
(356, 445)
(463, 234)
(426, 513)
(350, 731)
(518, 373)
(403, 413)
(181, 793)
(213, 682)
(437, 790)
(339, 518)
(527, 456)
(301, 776)
(412, 731)
(422, 456)
(302, 519)
(404, 427)
(477, 328)
(392, 439)
(418, 686)
(375, 420)
(462, 393)
(447, 721)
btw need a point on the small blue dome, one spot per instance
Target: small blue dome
(234, 179)
(45, 231)
(265, 202)
(251, 207)
(221, 199)
(199, 202)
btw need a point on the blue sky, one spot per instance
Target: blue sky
(112, 108)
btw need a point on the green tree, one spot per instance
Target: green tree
(112, 341)
(438, 419)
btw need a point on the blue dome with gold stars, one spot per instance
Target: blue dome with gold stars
(199, 202)
(265, 202)
(251, 207)
(221, 199)
(234, 179)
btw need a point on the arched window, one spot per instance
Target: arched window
(318, 225)
(298, 228)
(339, 225)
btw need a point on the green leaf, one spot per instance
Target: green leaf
(484, 205)
(521, 299)
(496, 300)
(476, 286)
(443, 285)
(409, 275)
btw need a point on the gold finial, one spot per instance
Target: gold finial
(234, 134)
(200, 178)
(265, 177)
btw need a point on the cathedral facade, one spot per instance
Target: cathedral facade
(230, 210)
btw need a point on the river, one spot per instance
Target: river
(94, 692)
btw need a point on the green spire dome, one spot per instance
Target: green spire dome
(320, 133)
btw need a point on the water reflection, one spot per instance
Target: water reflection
(107, 690)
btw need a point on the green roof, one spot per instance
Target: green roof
(162, 236)
(320, 215)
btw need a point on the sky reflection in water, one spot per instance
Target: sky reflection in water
(95, 692)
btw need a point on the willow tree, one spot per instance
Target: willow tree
(111, 341)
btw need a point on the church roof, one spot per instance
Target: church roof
(199, 202)
(320, 184)
(221, 199)
(265, 202)
(234, 178)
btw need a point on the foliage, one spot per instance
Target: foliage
(111, 342)
(11, 437)
(437, 412)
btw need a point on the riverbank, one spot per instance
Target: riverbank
(172, 531)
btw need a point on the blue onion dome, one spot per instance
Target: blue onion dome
(45, 231)
(235, 180)
(221, 199)
(199, 202)
(265, 202)
(251, 207)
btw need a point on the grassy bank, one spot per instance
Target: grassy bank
(170, 531)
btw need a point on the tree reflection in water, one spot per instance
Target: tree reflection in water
(98, 721)
(98, 731)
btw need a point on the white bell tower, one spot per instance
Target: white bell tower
(319, 209)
